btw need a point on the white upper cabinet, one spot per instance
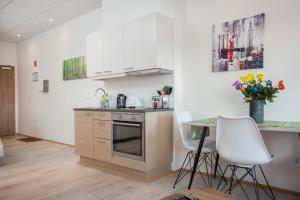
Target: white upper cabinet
(140, 42)
(94, 44)
(148, 43)
(113, 50)
(144, 43)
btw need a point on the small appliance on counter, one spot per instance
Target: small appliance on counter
(121, 101)
(134, 102)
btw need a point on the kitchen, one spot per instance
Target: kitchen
(132, 50)
(121, 134)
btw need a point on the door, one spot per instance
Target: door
(140, 43)
(113, 41)
(7, 100)
(84, 134)
(94, 43)
(102, 149)
(128, 140)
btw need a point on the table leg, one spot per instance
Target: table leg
(204, 131)
(216, 164)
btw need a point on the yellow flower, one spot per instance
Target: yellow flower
(242, 79)
(250, 77)
(260, 76)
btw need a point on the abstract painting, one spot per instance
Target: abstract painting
(238, 44)
(74, 68)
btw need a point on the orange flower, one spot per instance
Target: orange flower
(241, 88)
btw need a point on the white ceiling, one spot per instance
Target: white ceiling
(31, 17)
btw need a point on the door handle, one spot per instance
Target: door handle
(128, 124)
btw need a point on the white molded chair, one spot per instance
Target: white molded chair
(238, 141)
(208, 153)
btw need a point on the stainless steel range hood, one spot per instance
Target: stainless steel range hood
(137, 73)
(149, 72)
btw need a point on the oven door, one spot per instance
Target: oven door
(129, 140)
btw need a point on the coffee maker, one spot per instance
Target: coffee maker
(121, 101)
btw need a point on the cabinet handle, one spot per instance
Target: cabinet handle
(128, 68)
(101, 141)
(107, 71)
(98, 72)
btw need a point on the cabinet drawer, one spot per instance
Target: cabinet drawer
(83, 115)
(102, 149)
(102, 115)
(103, 129)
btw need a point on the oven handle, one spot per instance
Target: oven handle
(129, 124)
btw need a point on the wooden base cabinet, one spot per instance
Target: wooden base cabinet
(84, 140)
(93, 142)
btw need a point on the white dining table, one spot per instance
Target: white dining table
(268, 126)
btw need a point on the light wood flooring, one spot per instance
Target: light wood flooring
(45, 170)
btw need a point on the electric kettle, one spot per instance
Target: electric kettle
(121, 101)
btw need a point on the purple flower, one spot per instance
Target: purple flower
(238, 86)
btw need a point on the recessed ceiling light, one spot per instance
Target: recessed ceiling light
(18, 35)
(51, 19)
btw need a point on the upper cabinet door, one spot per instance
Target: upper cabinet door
(113, 50)
(140, 43)
(94, 54)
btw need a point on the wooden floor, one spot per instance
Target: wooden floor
(45, 170)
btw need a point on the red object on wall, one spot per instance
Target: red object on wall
(230, 48)
(35, 63)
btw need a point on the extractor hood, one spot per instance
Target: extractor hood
(149, 72)
(137, 73)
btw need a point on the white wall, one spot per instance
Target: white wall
(9, 56)
(208, 94)
(117, 11)
(50, 115)
(197, 89)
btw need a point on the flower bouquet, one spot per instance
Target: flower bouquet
(257, 91)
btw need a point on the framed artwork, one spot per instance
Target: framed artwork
(238, 44)
(74, 68)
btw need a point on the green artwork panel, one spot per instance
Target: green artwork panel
(74, 68)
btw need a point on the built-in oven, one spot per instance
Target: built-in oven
(129, 135)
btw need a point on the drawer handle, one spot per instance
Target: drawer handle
(107, 71)
(101, 141)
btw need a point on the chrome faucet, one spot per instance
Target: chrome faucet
(104, 101)
(101, 90)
